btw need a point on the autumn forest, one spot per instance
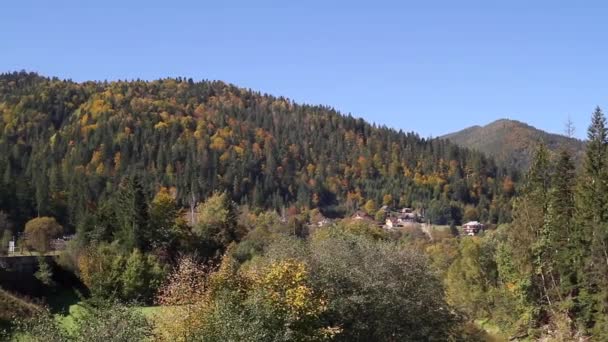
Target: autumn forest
(202, 211)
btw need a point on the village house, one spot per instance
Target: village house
(392, 222)
(408, 215)
(402, 218)
(324, 222)
(361, 215)
(472, 228)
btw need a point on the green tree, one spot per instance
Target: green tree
(217, 224)
(163, 226)
(131, 210)
(141, 278)
(524, 256)
(592, 209)
(564, 237)
(439, 212)
(44, 272)
(101, 268)
(111, 275)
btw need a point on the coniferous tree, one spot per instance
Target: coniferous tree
(132, 216)
(561, 236)
(524, 253)
(592, 201)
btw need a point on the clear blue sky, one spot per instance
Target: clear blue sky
(427, 66)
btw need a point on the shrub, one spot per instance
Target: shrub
(111, 275)
(40, 231)
(97, 322)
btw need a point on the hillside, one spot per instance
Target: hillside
(65, 146)
(511, 142)
(12, 307)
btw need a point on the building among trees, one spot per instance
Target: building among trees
(473, 228)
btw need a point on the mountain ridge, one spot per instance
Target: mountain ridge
(66, 147)
(511, 141)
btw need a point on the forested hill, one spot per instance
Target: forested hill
(65, 146)
(513, 142)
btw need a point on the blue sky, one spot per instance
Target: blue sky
(425, 66)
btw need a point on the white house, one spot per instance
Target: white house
(472, 228)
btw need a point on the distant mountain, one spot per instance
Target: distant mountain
(512, 142)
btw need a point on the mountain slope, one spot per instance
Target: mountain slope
(511, 142)
(65, 146)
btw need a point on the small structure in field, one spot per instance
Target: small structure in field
(361, 215)
(402, 218)
(472, 228)
(61, 243)
(392, 222)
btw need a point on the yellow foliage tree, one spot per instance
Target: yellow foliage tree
(40, 231)
(370, 207)
(184, 298)
(387, 199)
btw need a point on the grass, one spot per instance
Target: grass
(493, 331)
(440, 227)
(68, 322)
(66, 306)
(67, 319)
(150, 311)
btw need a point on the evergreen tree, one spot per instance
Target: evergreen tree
(132, 215)
(561, 236)
(592, 201)
(524, 253)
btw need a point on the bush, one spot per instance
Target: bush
(97, 322)
(271, 302)
(375, 290)
(111, 275)
(393, 288)
(40, 231)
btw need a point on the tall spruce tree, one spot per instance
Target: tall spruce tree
(526, 244)
(592, 201)
(563, 239)
(132, 215)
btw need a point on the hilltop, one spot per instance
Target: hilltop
(512, 142)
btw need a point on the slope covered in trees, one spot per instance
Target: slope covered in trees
(512, 142)
(66, 146)
(233, 268)
(544, 275)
